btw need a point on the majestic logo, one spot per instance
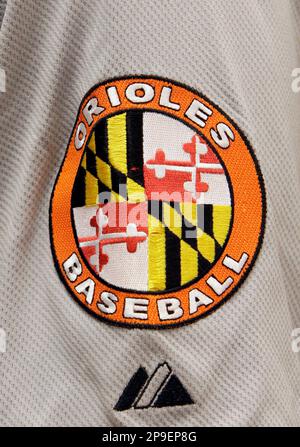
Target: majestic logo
(161, 389)
(158, 211)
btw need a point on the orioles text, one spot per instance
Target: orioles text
(197, 112)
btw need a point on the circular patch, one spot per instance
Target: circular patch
(158, 211)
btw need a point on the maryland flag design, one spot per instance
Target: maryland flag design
(158, 211)
(150, 192)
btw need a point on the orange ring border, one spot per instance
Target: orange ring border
(191, 282)
(200, 283)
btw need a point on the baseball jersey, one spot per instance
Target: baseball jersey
(150, 213)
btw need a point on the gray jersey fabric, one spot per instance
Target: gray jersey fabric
(64, 367)
(2, 10)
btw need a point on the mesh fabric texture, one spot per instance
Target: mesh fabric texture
(63, 367)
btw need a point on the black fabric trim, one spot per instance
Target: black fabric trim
(101, 141)
(132, 390)
(91, 165)
(173, 394)
(208, 219)
(134, 134)
(78, 195)
(203, 265)
(172, 254)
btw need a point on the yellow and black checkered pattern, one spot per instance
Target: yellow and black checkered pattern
(112, 163)
(184, 239)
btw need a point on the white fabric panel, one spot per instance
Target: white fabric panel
(82, 220)
(218, 191)
(127, 270)
(166, 133)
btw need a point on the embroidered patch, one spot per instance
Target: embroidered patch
(158, 211)
(162, 389)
